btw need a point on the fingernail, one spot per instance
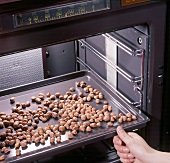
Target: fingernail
(125, 150)
(120, 129)
(118, 142)
(130, 156)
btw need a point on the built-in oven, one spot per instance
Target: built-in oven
(72, 71)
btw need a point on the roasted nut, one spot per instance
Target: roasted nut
(129, 115)
(120, 120)
(124, 118)
(52, 140)
(17, 145)
(74, 132)
(83, 117)
(17, 104)
(88, 98)
(54, 114)
(70, 135)
(48, 94)
(110, 124)
(58, 139)
(42, 141)
(105, 102)
(33, 98)
(23, 143)
(37, 139)
(34, 125)
(27, 104)
(36, 120)
(1, 124)
(18, 152)
(6, 123)
(98, 101)
(12, 100)
(61, 128)
(129, 119)
(57, 94)
(98, 124)
(81, 94)
(134, 117)
(82, 128)
(40, 131)
(78, 84)
(106, 118)
(52, 97)
(88, 129)
(109, 108)
(38, 100)
(93, 125)
(72, 89)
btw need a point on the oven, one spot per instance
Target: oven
(114, 47)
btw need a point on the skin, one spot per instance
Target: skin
(133, 148)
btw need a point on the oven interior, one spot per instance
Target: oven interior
(119, 57)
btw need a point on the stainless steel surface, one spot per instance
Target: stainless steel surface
(21, 68)
(62, 84)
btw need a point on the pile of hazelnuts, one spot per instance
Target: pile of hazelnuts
(72, 112)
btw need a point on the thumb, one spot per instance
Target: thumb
(123, 135)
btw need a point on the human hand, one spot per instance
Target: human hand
(131, 147)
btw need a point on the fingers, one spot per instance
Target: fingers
(122, 149)
(123, 135)
(117, 140)
(125, 155)
(127, 160)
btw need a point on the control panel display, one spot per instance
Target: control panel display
(60, 12)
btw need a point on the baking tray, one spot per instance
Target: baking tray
(62, 84)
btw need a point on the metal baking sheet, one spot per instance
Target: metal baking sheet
(62, 84)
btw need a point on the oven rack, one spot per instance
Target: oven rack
(119, 94)
(126, 75)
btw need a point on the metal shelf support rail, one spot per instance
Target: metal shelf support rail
(127, 76)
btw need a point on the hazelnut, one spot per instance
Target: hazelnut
(52, 140)
(42, 141)
(98, 124)
(18, 152)
(33, 98)
(82, 128)
(110, 124)
(48, 94)
(72, 89)
(98, 101)
(109, 108)
(1, 125)
(129, 115)
(17, 104)
(120, 120)
(88, 129)
(52, 97)
(70, 135)
(27, 104)
(12, 100)
(57, 94)
(134, 117)
(74, 132)
(17, 145)
(38, 100)
(78, 84)
(58, 139)
(124, 118)
(61, 128)
(105, 102)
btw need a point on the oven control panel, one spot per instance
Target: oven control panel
(60, 12)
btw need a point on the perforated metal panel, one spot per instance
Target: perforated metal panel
(21, 68)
